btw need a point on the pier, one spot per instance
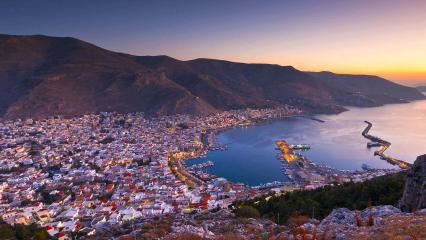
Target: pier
(286, 151)
(383, 146)
(298, 168)
(201, 166)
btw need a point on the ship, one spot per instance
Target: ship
(303, 147)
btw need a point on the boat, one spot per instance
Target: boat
(366, 167)
(303, 147)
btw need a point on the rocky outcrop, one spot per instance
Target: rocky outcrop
(341, 216)
(379, 211)
(348, 218)
(414, 197)
(378, 222)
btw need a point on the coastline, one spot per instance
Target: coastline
(302, 115)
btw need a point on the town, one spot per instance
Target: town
(88, 173)
(97, 172)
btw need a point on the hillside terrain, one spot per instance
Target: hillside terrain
(366, 210)
(375, 90)
(42, 76)
(421, 88)
(322, 201)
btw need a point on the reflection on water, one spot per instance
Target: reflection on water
(338, 143)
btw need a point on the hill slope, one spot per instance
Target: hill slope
(376, 90)
(421, 88)
(42, 76)
(229, 85)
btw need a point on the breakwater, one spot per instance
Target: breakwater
(383, 146)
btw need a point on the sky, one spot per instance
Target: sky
(381, 37)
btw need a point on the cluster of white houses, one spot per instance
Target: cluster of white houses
(88, 173)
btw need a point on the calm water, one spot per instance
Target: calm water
(338, 143)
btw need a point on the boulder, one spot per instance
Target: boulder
(414, 197)
(341, 216)
(380, 211)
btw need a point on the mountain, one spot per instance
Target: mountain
(230, 85)
(421, 88)
(375, 90)
(42, 76)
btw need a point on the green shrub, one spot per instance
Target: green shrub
(385, 190)
(247, 212)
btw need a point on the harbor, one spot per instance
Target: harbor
(251, 154)
(308, 175)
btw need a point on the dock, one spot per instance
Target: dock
(286, 151)
(383, 146)
(201, 166)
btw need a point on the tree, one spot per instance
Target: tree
(247, 212)
(385, 190)
(6, 232)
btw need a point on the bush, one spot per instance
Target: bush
(385, 190)
(247, 212)
(22, 232)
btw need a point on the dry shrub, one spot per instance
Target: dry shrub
(358, 220)
(281, 236)
(294, 222)
(370, 221)
(126, 237)
(157, 228)
(297, 220)
(185, 236)
(225, 229)
(230, 236)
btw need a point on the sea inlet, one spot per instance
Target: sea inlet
(337, 142)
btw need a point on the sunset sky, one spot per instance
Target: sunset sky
(386, 37)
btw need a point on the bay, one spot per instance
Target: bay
(251, 155)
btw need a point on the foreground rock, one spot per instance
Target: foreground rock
(414, 197)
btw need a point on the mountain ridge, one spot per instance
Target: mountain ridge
(42, 76)
(421, 88)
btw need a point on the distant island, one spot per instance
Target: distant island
(42, 76)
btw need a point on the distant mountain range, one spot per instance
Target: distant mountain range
(421, 88)
(42, 76)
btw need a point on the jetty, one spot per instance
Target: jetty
(383, 146)
(286, 151)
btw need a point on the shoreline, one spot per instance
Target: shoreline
(278, 183)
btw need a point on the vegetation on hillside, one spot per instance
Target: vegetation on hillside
(22, 232)
(385, 190)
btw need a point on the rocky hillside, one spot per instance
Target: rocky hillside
(383, 221)
(422, 88)
(42, 76)
(228, 85)
(371, 90)
(380, 222)
(414, 197)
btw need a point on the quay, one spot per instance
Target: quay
(384, 145)
(286, 151)
(201, 165)
(181, 173)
